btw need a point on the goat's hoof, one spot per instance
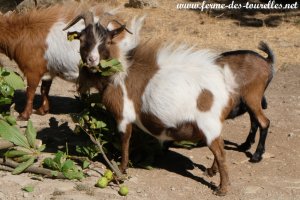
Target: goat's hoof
(244, 147)
(220, 192)
(41, 111)
(210, 172)
(23, 117)
(256, 158)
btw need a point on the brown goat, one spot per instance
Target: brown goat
(36, 41)
(174, 93)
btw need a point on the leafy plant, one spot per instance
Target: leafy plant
(61, 163)
(98, 122)
(9, 82)
(26, 151)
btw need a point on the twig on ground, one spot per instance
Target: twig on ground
(36, 170)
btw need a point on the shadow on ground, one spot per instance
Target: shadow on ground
(58, 105)
(179, 164)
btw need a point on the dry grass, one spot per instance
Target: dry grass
(166, 23)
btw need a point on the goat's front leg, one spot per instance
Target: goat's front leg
(125, 137)
(45, 88)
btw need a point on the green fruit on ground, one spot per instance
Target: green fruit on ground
(102, 182)
(108, 174)
(123, 191)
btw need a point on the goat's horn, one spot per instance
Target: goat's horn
(88, 18)
(123, 26)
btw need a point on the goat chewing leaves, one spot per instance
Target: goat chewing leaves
(106, 67)
(110, 67)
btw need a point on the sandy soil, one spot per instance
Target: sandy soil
(179, 173)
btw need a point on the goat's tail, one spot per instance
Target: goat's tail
(265, 48)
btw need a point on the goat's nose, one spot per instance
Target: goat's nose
(92, 59)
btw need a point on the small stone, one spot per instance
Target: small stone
(25, 195)
(268, 155)
(291, 135)
(209, 157)
(172, 189)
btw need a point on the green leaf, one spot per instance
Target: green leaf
(5, 101)
(68, 164)
(42, 148)
(100, 124)
(85, 164)
(12, 134)
(11, 120)
(15, 153)
(23, 166)
(28, 188)
(49, 163)
(71, 171)
(23, 158)
(14, 80)
(30, 134)
(60, 158)
(54, 173)
(6, 90)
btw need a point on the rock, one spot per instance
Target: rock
(142, 3)
(25, 195)
(291, 135)
(28, 4)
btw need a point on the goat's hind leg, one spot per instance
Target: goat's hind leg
(45, 88)
(251, 136)
(217, 148)
(264, 124)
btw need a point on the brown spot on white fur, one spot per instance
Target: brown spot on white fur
(205, 100)
(136, 85)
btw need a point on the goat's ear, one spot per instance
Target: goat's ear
(73, 35)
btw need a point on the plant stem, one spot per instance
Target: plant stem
(115, 168)
(10, 164)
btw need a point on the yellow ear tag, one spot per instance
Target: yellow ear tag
(71, 37)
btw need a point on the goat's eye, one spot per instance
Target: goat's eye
(109, 42)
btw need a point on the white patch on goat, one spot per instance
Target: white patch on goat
(47, 77)
(93, 58)
(128, 43)
(171, 94)
(129, 114)
(62, 55)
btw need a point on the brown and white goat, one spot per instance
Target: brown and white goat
(38, 44)
(173, 93)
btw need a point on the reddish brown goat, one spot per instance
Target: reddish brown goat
(36, 41)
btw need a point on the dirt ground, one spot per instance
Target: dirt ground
(179, 173)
